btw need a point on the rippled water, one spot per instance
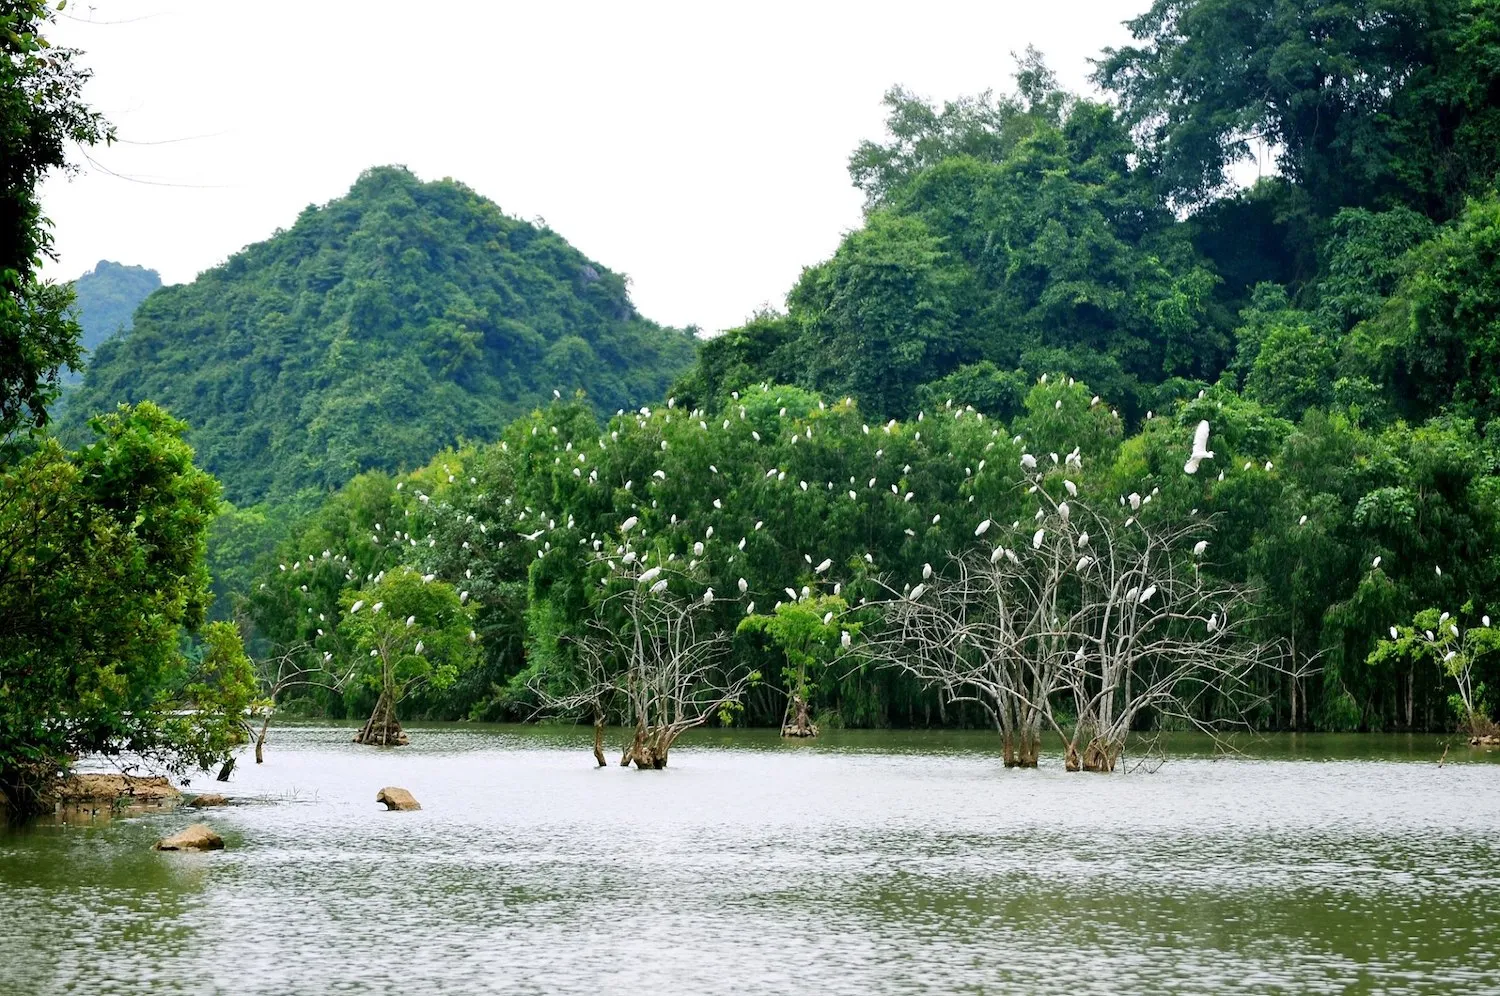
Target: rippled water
(896, 863)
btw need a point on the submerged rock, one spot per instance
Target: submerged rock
(106, 790)
(397, 798)
(197, 837)
(209, 799)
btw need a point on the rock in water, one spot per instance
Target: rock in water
(209, 799)
(197, 837)
(102, 789)
(397, 798)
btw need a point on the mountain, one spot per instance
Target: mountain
(381, 327)
(106, 297)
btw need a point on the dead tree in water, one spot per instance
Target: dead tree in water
(298, 665)
(658, 653)
(1082, 621)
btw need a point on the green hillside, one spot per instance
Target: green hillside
(106, 296)
(381, 327)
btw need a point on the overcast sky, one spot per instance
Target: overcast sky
(698, 148)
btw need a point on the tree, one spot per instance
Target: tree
(1368, 103)
(101, 574)
(41, 111)
(1436, 638)
(810, 631)
(414, 631)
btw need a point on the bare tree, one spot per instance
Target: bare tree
(1083, 620)
(300, 665)
(656, 650)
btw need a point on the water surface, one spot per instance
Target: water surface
(859, 863)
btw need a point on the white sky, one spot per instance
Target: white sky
(699, 149)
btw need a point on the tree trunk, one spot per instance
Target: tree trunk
(382, 729)
(1030, 749)
(1008, 748)
(1100, 755)
(1071, 761)
(801, 723)
(225, 771)
(260, 741)
(599, 738)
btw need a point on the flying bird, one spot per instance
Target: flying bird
(1201, 451)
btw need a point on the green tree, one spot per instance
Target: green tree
(41, 111)
(101, 574)
(414, 631)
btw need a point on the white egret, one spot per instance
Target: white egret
(650, 574)
(1146, 595)
(659, 587)
(916, 592)
(845, 639)
(1201, 451)
(1199, 547)
(1071, 487)
(1375, 562)
(827, 563)
(926, 571)
(708, 597)
(1036, 539)
(982, 528)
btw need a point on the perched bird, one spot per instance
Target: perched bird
(647, 576)
(1201, 451)
(926, 571)
(659, 587)
(916, 592)
(708, 597)
(1199, 547)
(982, 528)
(744, 585)
(1146, 595)
(629, 524)
(827, 563)
(1036, 539)
(844, 639)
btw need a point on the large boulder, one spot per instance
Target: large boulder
(197, 837)
(397, 798)
(208, 799)
(109, 789)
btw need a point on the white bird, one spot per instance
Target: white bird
(1036, 539)
(916, 592)
(629, 524)
(1064, 511)
(1485, 620)
(1375, 562)
(1213, 623)
(420, 647)
(926, 571)
(1302, 521)
(1072, 488)
(649, 575)
(1199, 547)
(1084, 562)
(377, 606)
(982, 528)
(827, 563)
(1201, 451)
(791, 593)
(1028, 461)
(827, 618)
(659, 587)
(1269, 465)
(844, 639)
(1395, 633)
(411, 621)
(708, 597)
(698, 549)
(750, 609)
(356, 606)
(1146, 595)
(1135, 502)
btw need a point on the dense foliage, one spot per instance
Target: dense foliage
(41, 111)
(381, 327)
(102, 570)
(106, 297)
(1047, 297)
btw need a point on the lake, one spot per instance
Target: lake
(858, 863)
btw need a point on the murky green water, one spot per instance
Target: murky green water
(862, 863)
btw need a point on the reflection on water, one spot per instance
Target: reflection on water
(861, 863)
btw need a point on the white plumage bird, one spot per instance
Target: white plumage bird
(1201, 451)
(1036, 539)
(1199, 547)
(659, 587)
(982, 528)
(916, 592)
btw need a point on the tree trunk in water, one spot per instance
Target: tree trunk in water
(1030, 750)
(228, 767)
(1100, 755)
(260, 741)
(382, 729)
(599, 739)
(801, 724)
(1071, 761)
(1008, 747)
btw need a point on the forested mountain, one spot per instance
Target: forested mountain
(379, 328)
(106, 297)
